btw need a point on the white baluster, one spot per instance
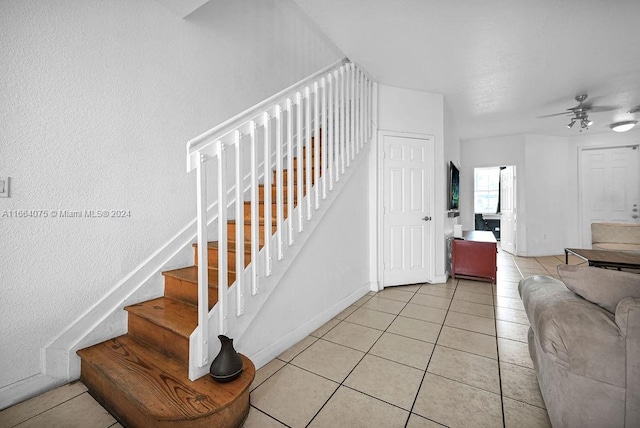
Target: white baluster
(325, 134)
(290, 170)
(330, 131)
(316, 144)
(203, 262)
(267, 194)
(279, 184)
(255, 210)
(352, 111)
(370, 110)
(222, 238)
(300, 162)
(239, 178)
(347, 108)
(365, 110)
(343, 124)
(308, 149)
(358, 109)
(362, 104)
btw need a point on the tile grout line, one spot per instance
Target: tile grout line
(267, 414)
(386, 330)
(371, 347)
(53, 407)
(494, 293)
(360, 360)
(430, 357)
(502, 396)
(495, 321)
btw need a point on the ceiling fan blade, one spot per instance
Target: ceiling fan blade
(635, 109)
(600, 109)
(556, 114)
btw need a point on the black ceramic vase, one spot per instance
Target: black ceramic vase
(228, 364)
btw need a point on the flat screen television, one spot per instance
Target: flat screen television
(454, 187)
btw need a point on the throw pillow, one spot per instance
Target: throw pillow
(603, 287)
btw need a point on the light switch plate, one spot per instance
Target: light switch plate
(4, 187)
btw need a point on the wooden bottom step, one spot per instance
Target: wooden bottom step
(144, 388)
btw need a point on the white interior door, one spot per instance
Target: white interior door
(407, 216)
(609, 189)
(508, 225)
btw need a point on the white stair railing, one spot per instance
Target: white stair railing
(332, 108)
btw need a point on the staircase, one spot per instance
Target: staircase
(142, 377)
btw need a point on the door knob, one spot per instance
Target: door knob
(426, 218)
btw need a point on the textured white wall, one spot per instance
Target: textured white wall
(333, 265)
(549, 200)
(98, 101)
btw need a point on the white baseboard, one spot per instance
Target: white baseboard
(440, 279)
(27, 388)
(375, 286)
(267, 354)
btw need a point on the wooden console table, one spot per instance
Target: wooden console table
(474, 256)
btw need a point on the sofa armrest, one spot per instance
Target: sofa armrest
(628, 315)
(628, 320)
(578, 335)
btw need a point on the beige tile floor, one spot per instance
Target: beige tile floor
(421, 355)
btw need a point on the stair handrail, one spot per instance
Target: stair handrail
(198, 143)
(342, 111)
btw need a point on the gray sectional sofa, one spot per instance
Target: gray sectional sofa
(584, 341)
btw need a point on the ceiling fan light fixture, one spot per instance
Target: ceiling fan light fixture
(573, 122)
(623, 126)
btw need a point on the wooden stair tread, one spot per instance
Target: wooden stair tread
(261, 202)
(190, 274)
(173, 315)
(231, 246)
(157, 385)
(261, 222)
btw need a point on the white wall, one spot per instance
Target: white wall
(451, 140)
(331, 271)
(547, 184)
(548, 200)
(99, 99)
(451, 154)
(406, 110)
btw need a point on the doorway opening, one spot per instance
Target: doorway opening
(495, 203)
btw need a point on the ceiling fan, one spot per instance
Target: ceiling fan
(580, 113)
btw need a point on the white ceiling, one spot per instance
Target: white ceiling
(499, 63)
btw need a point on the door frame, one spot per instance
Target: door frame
(581, 150)
(514, 197)
(382, 133)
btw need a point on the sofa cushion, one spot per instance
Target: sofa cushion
(622, 233)
(616, 246)
(603, 287)
(578, 335)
